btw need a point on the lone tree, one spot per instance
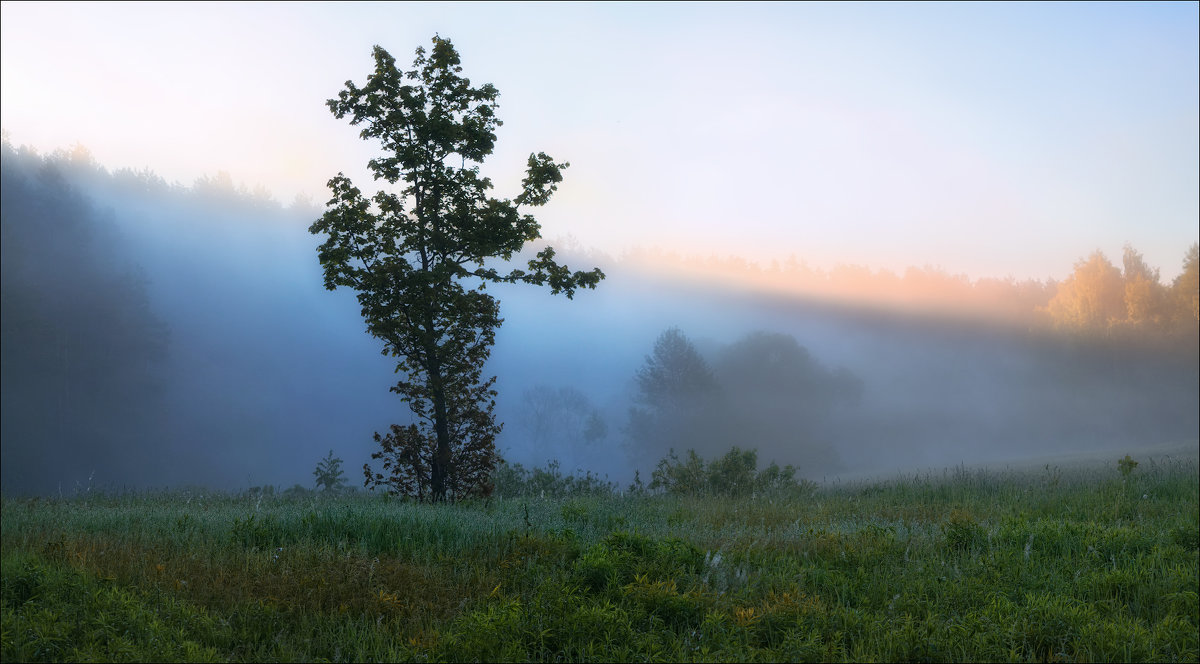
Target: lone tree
(329, 474)
(417, 258)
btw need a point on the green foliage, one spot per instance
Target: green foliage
(957, 566)
(1126, 465)
(675, 476)
(418, 260)
(734, 474)
(774, 479)
(329, 474)
(54, 613)
(514, 479)
(962, 532)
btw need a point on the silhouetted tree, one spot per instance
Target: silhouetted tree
(674, 375)
(677, 393)
(329, 474)
(779, 396)
(766, 363)
(410, 256)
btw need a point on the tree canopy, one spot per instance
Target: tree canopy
(1099, 296)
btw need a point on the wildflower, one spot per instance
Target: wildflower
(745, 617)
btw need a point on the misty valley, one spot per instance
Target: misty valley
(692, 470)
(857, 466)
(159, 336)
(820, 332)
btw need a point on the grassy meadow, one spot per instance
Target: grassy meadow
(1089, 563)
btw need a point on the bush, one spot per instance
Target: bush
(680, 477)
(513, 479)
(733, 474)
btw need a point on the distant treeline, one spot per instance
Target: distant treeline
(144, 325)
(152, 331)
(1097, 298)
(82, 350)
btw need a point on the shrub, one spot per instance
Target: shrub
(963, 533)
(513, 480)
(733, 474)
(679, 477)
(1126, 465)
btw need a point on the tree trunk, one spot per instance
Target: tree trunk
(439, 472)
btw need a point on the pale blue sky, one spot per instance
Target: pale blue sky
(990, 139)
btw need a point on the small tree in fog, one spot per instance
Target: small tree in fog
(329, 474)
(417, 259)
(676, 396)
(596, 428)
(674, 373)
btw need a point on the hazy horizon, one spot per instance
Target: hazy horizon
(894, 235)
(259, 371)
(683, 263)
(987, 140)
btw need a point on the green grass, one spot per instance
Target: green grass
(1058, 564)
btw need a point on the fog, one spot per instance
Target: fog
(165, 336)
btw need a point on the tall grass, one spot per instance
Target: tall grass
(1090, 564)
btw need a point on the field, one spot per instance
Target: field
(1092, 563)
